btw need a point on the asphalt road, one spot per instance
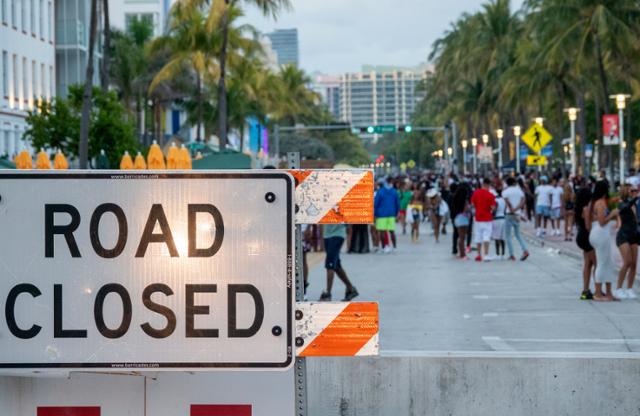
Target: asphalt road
(430, 301)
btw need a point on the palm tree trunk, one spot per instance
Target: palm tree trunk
(83, 151)
(222, 87)
(605, 92)
(582, 131)
(199, 87)
(104, 76)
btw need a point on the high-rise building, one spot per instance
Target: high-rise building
(72, 23)
(377, 98)
(285, 43)
(328, 87)
(27, 66)
(122, 12)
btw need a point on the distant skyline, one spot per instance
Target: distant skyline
(338, 36)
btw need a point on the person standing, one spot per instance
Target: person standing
(334, 236)
(600, 239)
(515, 200)
(543, 206)
(497, 229)
(627, 240)
(386, 209)
(461, 213)
(556, 205)
(484, 202)
(583, 225)
(405, 198)
(569, 202)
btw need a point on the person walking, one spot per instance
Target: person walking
(600, 239)
(334, 236)
(484, 203)
(415, 211)
(543, 206)
(405, 198)
(569, 202)
(515, 200)
(462, 218)
(435, 204)
(386, 209)
(557, 192)
(627, 240)
(497, 228)
(583, 225)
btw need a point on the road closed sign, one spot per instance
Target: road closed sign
(132, 271)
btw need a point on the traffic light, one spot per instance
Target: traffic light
(405, 129)
(387, 128)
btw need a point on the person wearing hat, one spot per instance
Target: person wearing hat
(386, 209)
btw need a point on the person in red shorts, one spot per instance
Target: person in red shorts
(484, 203)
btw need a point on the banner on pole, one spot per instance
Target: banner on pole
(610, 129)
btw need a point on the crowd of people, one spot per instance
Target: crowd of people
(486, 211)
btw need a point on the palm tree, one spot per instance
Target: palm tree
(104, 71)
(83, 152)
(219, 16)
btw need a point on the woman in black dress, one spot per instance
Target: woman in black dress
(627, 240)
(583, 224)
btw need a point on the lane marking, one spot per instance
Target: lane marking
(497, 344)
(523, 297)
(490, 314)
(612, 341)
(511, 354)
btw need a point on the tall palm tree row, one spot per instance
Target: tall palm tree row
(500, 67)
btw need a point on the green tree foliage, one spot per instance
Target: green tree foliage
(56, 125)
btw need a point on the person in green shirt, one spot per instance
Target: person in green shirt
(405, 199)
(334, 236)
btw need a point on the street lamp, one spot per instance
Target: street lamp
(573, 116)
(464, 155)
(500, 135)
(474, 143)
(621, 102)
(539, 121)
(517, 130)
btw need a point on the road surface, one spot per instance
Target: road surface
(430, 301)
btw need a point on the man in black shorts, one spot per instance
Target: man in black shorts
(334, 236)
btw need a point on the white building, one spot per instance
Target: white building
(27, 65)
(328, 87)
(379, 98)
(122, 12)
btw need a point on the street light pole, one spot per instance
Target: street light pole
(485, 142)
(517, 130)
(464, 156)
(539, 121)
(621, 102)
(573, 116)
(474, 143)
(500, 135)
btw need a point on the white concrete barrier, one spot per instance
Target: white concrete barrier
(475, 384)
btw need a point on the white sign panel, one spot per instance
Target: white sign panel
(146, 271)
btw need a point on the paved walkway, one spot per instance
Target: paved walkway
(430, 301)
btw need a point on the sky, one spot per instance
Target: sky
(338, 36)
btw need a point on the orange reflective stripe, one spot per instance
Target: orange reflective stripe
(345, 336)
(356, 207)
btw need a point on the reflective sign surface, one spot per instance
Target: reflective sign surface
(139, 271)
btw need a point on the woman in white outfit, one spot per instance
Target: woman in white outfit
(600, 239)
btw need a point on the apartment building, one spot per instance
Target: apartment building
(27, 66)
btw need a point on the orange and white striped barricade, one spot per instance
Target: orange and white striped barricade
(340, 196)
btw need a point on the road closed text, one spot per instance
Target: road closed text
(61, 235)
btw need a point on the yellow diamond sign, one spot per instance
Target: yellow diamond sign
(534, 160)
(537, 137)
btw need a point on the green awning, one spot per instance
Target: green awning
(224, 160)
(7, 164)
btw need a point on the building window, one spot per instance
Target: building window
(50, 92)
(41, 15)
(34, 84)
(14, 74)
(23, 15)
(42, 79)
(32, 15)
(5, 74)
(142, 17)
(25, 82)
(3, 10)
(13, 14)
(49, 22)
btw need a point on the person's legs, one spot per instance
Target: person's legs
(456, 235)
(305, 270)
(393, 239)
(508, 226)
(587, 269)
(462, 238)
(625, 252)
(342, 275)
(436, 226)
(383, 238)
(486, 248)
(330, 274)
(375, 238)
(518, 235)
(631, 276)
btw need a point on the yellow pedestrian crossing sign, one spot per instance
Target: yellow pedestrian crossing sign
(535, 160)
(537, 137)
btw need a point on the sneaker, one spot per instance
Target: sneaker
(620, 294)
(387, 250)
(525, 256)
(538, 233)
(489, 258)
(478, 258)
(631, 294)
(586, 295)
(350, 294)
(512, 258)
(325, 297)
